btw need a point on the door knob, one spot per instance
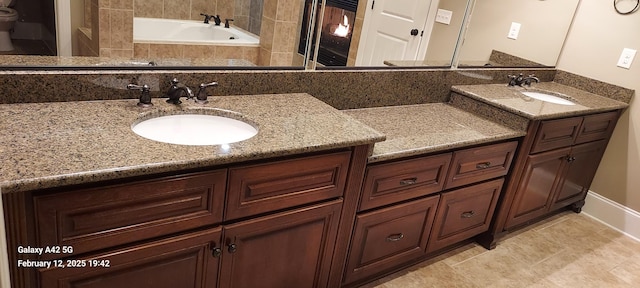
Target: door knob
(414, 32)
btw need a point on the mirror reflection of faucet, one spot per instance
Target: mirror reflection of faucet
(207, 18)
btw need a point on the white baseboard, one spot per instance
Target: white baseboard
(613, 214)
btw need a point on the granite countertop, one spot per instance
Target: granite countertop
(425, 128)
(511, 100)
(54, 144)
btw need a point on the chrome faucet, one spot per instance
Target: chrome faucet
(176, 90)
(521, 80)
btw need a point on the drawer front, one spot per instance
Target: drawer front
(389, 237)
(464, 213)
(554, 134)
(480, 163)
(278, 185)
(91, 219)
(394, 182)
(596, 127)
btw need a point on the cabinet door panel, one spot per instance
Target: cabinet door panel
(292, 249)
(91, 219)
(183, 261)
(389, 237)
(580, 173)
(535, 191)
(398, 181)
(278, 185)
(464, 213)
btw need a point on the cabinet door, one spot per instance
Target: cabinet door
(389, 237)
(182, 261)
(291, 249)
(581, 167)
(535, 191)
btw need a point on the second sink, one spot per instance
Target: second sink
(194, 129)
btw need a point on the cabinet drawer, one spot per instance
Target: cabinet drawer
(91, 219)
(389, 237)
(394, 182)
(277, 185)
(464, 213)
(480, 163)
(554, 134)
(596, 127)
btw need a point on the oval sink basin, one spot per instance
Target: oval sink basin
(547, 98)
(194, 129)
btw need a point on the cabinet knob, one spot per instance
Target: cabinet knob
(483, 165)
(216, 252)
(467, 214)
(571, 159)
(232, 248)
(408, 181)
(395, 237)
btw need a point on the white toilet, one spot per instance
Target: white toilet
(8, 18)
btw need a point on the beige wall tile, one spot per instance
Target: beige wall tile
(251, 54)
(122, 29)
(176, 10)
(267, 33)
(122, 4)
(165, 51)
(148, 8)
(199, 51)
(288, 10)
(269, 9)
(202, 6)
(104, 3)
(281, 59)
(284, 36)
(228, 52)
(264, 57)
(140, 50)
(105, 52)
(124, 53)
(226, 9)
(104, 28)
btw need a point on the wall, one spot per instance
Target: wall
(593, 46)
(445, 37)
(187, 10)
(540, 39)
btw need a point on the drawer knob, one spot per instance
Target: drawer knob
(467, 214)
(571, 159)
(408, 181)
(232, 248)
(395, 237)
(483, 165)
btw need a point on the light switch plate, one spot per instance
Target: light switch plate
(514, 30)
(444, 16)
(626, 58)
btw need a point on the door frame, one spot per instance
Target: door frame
(63, 27)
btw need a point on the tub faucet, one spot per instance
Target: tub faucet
(176, 90)
(216, 19)
(226, 22)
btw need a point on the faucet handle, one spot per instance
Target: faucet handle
(145, 96)
(226, 22)
(201, 96)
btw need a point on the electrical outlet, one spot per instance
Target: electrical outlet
(444, 16)
(626, 58)
(514, 30)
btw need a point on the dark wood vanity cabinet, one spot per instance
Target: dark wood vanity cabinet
(271, 224)
(556, 169)
(407, 213)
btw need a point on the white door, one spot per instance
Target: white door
(387, 31)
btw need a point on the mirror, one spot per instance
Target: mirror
(383, 34)
(140, 33)
(526, 33)
(438, 38)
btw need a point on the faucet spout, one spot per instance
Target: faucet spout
(177, 90)
(520, 80)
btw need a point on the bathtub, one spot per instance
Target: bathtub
(169, 31)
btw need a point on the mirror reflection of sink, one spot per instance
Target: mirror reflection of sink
(547, 98)
(194, 129)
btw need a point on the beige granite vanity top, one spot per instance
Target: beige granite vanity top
(510, 99)
(426, 128)
(53, 144)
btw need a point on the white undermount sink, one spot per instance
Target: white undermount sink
(547, 98)
(194, 129)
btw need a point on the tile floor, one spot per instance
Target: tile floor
(566, 250)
